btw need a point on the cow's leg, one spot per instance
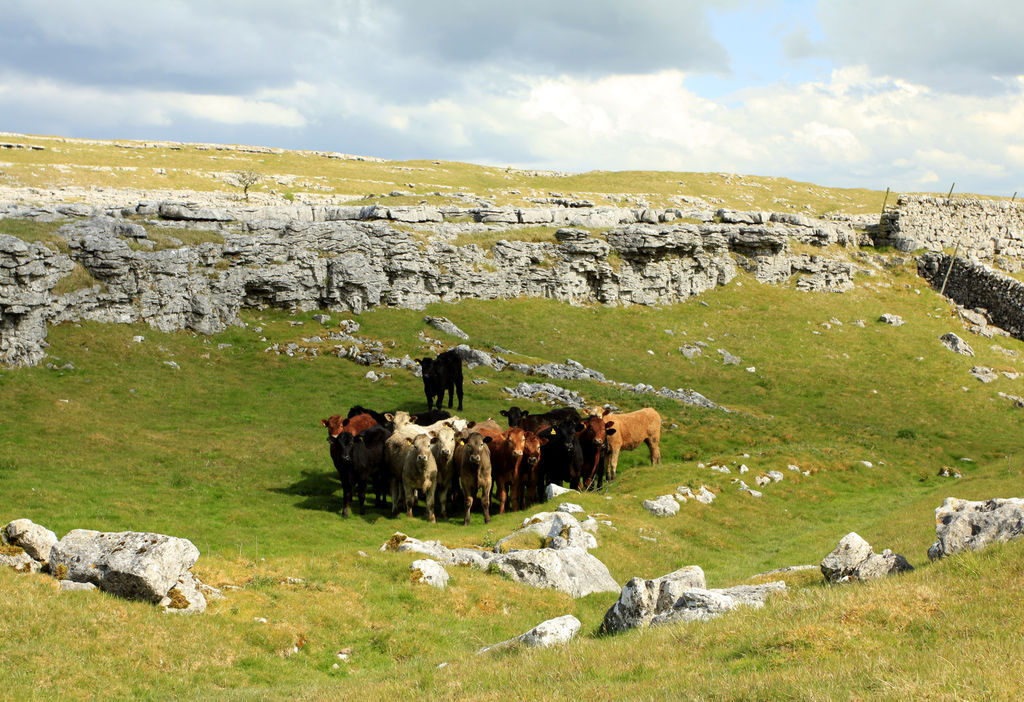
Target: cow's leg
(410, 496)
(361, 496)
(613, 462)
(442, 500)
(502, 495)
(428, 497)
(485, 501)
(458, 389)
(655, 447)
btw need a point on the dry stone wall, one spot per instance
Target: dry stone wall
(988, 230)
(976, 286)
(356, 258)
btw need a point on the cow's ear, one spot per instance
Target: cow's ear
(609, 432)
(609, 425)
(433, 439)
(580, 427)
(450, 424)
(525, 413)
(471, 425)
(345, 422)
(503, 413)
(408, 440)
(488, 439)
(323, 422)
(412, 419)
(607, 411)
(388, 416)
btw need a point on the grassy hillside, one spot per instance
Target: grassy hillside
(295, 176)
(227, 451)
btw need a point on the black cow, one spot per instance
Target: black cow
(441, 374)
(358, 459)
(561, 458)
(425, 419)
(368, 461)
(538, 422)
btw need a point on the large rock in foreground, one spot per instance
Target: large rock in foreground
(677, 597)
(962, 525)
(133, 565)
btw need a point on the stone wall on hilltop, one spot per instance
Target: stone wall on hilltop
(987, 230)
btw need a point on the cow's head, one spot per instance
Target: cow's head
(334, 423)
(514, 415)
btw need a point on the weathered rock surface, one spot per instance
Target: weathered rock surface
(134, 565)
(570, 570)
(556, 529)
(963, 525)
(35, 539)
(679, 596)
(664, 506)
(19, 560)
(553, 632)
(429, 572)
(853, 559)
(350, 258)
(955, 344)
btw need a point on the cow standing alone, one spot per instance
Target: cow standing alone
(442, 374)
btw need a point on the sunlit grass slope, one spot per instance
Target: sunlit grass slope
(227, 451)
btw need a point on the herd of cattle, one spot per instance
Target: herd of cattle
(446, 460)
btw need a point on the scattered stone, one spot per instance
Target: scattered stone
(138, 339)
(963, 525)
(719, 468)
(72, 586)
(955, 344)
(690, 351)
(552, 491)
(324, 319)
(569, 507)
(172, 364)
(985, 375)
(15, 557)
(705, 496)
(430, 572)
(664, 506)
(443, 324)
(947, 472)
(728, 359)
(1017, 400)
(550, 633)
(892, 319)
(371, 376)
(750, 491)
(762, 480)
(775, 475)
(853, 559)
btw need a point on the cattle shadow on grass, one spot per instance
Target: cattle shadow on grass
(321, 491)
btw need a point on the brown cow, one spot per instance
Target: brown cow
(473, 461)
(336, 424)
(631, 430)
(593, 435)
(529, 470)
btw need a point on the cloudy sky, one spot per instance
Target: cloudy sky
(908, 94)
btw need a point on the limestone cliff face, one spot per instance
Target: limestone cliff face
(356, 258)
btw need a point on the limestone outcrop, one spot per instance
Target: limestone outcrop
(354, 258)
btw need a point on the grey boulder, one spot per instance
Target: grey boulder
(570, 570)
(853, 559)
(664, 506)
(640, 600)
(962, 525)
(133, 565)
(429, 572)
(553, 632)
(557, 529)
(36, 540)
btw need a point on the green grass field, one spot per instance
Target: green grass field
(228, 452)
